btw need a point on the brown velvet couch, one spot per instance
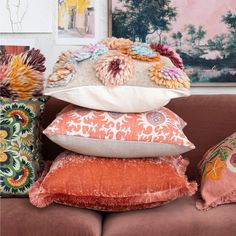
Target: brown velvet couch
(210, 119)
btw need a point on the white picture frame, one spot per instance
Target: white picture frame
(26, 16)
(100, 32)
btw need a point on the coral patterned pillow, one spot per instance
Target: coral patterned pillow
(218, 170)
(109, 134)
(110, 184)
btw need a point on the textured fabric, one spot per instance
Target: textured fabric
(218, 171)
(80, 81)
(178, 218)
(150, 134)
(112, 184)
(21, 76)
(20, 144)
(19, 217)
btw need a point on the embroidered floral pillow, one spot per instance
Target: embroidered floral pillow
(110, 134)
(19, 144)
(119, 75)
(218, 171)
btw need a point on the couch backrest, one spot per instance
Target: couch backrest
(210, 118)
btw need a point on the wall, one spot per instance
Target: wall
(47, 43)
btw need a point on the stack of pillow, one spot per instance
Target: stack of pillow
(123, 147)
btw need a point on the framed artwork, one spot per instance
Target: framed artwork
(15, 46)
(203, 33)
(78, 22)
(12, 49)
(26, 16)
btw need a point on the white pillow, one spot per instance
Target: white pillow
(118, 99)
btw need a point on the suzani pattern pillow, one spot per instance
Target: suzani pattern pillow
(111, 134)
(218, 170)
(20, 144)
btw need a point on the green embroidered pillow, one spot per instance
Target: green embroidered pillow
(19, 144)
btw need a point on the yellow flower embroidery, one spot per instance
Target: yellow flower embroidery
(213, 169)
(27, 139)
(3, 135)
(26, 155)
(3, 156)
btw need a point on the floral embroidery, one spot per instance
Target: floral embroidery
(63, 70)
(169, 52)
(21, 76)
(222, 155)
(19, 144)
(91, 51)
(231, 163)
(169, 76)
(81, 56)
(116, 43)
(97, 50)
(114, 69)
(20, 181)
(141, 52)
(20, 113)
(213, 169)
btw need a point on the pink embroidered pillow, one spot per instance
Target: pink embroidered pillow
(109, 134)
(218, 170)
(110, 184)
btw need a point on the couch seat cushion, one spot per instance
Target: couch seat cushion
(19, 217)
(179, 218)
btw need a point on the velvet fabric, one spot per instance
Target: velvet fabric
(178, 218)
(19, 217)
(112, 184)
(210, 119)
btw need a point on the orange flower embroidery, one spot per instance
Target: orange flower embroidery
(169, 76)
(116, 43)
(213, 169)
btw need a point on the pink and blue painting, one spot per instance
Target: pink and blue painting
(202, 32)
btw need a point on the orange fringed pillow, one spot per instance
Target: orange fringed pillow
(112, 184)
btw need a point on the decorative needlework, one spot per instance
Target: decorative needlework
(19, 144)
(169, 52)
(114, 69)
(141, 52)
(219, 157)
(218, 171)
(63, 70)
(21, 76)
(169, 76)
(117, 43)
